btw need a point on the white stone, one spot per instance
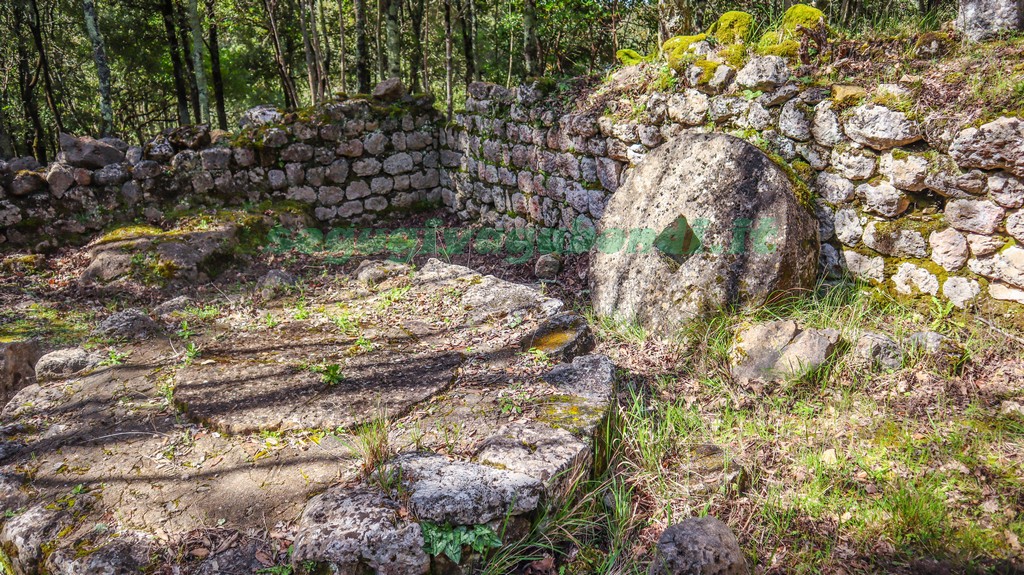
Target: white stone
(763, 73)
(1006, 266)
(864, 267)
(996, 145)
(894, 241)
(793, 122)
(834, 188)
(949, 249)
(961, 291)
(1015, 225)
(978, 216)
(848, 227)
(1006, 190)
(982, 246)
(854, 163)
(910, 279)
(883, 199)
(880, 127)
(1001, 291)
(906, 172)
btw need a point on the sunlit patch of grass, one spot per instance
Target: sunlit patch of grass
(61, 327)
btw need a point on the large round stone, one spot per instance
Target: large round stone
(707, 221)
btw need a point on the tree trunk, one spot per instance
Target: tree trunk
(342, 46)
(193, 93)
(198, 65)
(530, 48)
(218, 79)
(167, 11)
(675, 17)
(362, 48)
(448, 72)
(99, 55)
(382, 58)
(37, 36)
(467, 41)
(312, 68)
(291, 98)
(36, 139)
(416, 65)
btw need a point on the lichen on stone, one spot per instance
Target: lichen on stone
(677, 49)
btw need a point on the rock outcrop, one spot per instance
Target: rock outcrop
(705, 222)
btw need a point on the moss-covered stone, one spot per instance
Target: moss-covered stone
(131, 232)
(786, 49)
(677, 50)
(707, 68)
(734, 55)
(629, 57)
(733, 27)
(802, 16)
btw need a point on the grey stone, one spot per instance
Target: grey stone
(863, 266)
(698, 546)
(681, 279)
(399, 163)
(905, 171)
(125, 555)
(854, 163)
(881, 128)
(589, 376)
(778, 350)
(492, 298)
(547, 267)
(60, 178)
(763, 73)
(25, 183)
(129, 324)
(216, 158)
(894, 241)
(536, 450)
(689, 108)
(389, 90)
(354, 530)
(977, 216)
(983, 19)
(1015, 225)
(982, 246)
(23, 536)
(64, 362)
(876, 351)
(941, 351)
(372, 272)
(1006, 265)
(825, 126)
(461, 493)
(998, 144)
(86, 152)
(260, 116)
(366, 167)
(883, 199)
(17, 370)
(561, 338)
(1005, 190)
(146, 169)
(834, 188)
(793, 121)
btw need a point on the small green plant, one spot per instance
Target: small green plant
(184, 331)
(363, 344)
(330, 373)
(372, 444)
(390, 297)
(345, 323)
(751, 94)
(513, 399)
(114, 357)
(448, 540)
(270, 321)
(539, 356)
(192, 352)
(203, 313)
(301, 310)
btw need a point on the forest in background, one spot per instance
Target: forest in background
(131, 68)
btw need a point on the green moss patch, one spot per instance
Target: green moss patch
(733, 27)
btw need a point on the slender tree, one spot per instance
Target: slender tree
(342, 47)
(362, 48)
(215, 71)
(393, 38)
(448, 60)
(183, 33)
(99, 55)
(36, 29)
(416, 10)
(198, 64)
(291, 98)
(180, 91)
(530, 47)
(467, 40)
(36, 139)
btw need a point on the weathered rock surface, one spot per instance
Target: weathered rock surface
(876, 351)
(129, 324)
(695, 256)
(698, 546)
(563, 337)
(996, 145)
(881, 128)
(64, 362)
(86, 152)
(982, 19)
(18, 369)
(779, 350)
(356, 529)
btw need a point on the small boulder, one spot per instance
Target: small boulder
(64, 362)
(939, 351)
(698, 546)
(763, 73)
(86, 152)
(876, 351)
(18, 368)
(173, 305)
(779, 350)
(275, 282)
(389, 90)
(881, 128)
(547, 267)
(260, 116)
(591, 377)
(562, 337)
(372, 272)
(131, 323)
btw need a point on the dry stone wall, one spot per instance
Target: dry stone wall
(919, 205)
(346, 163)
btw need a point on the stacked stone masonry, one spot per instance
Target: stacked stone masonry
(352, 162)
(922, 206)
